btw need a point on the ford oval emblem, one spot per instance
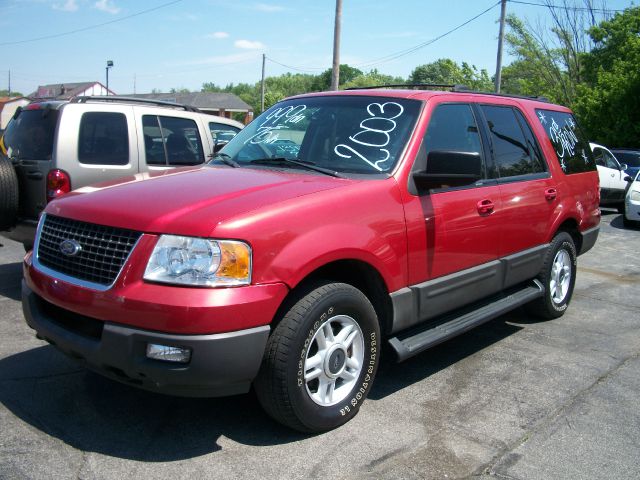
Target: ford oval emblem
(70, 247)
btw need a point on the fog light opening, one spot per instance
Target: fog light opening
(167, 353)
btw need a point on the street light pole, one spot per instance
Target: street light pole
(109, 65)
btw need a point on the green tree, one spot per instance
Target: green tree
(5, 93)
(322, 82)
(608, 100)
(447, 72)
(373, 78)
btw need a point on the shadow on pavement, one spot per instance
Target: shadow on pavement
(90, 413)
(393, 376)
(10, 278)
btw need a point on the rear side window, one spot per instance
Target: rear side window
(568, 141)
(514, 154)
(30, 134)
(103, 139)
(171, 141)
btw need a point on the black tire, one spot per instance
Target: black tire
(557, 288)
(620, 208)
(8, 194)
(293, 347)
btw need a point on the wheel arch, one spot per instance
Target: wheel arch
(357, 273)
(569, 225)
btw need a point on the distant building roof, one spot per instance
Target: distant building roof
(201, 100)
(63, 91)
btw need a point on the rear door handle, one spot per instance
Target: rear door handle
(550, 194)
(485, 207)
(35, 175)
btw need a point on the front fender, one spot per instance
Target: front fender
(326, 244)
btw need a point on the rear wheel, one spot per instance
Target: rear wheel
(321, 359)
(8, 194)
(558, 275)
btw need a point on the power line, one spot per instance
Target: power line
(565, 7)
(90, 27)
(298, 69)
(396, 55)
(415, 48)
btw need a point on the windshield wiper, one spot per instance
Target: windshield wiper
(309, 165)
(226, 159)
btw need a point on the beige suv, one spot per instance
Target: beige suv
(56, 147)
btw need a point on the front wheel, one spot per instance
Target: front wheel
(558, 275)
(321, 359)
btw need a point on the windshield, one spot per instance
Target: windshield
(632, 159)
(364, 135)
(29, 135)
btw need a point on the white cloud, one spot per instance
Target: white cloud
(68, 6)
(248, 45)
(107, 6)
(265, 7)
(217, 35)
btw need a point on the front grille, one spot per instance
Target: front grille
(103, 253)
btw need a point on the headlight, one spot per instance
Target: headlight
(199, 261)
(634, 196)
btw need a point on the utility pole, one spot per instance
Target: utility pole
(335, 71)
(503, 11)
(264, 58)
(9, 84)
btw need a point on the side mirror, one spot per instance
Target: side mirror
(447, 168)
(623, 166)
(628, 179)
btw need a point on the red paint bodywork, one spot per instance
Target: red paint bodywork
(299, 222)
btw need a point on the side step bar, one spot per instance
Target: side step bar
(416, 341)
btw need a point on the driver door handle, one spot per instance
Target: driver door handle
(485, 207)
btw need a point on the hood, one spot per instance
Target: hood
(186, 201)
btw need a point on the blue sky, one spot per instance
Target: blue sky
(186, 43)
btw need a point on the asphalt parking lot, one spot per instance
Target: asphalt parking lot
(514, 399)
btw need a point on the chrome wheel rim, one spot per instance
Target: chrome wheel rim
(334, 360)
(560, 277)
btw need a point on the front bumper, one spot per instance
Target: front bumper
(221, 364)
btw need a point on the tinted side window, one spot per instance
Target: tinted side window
(610, 161)
(452, 127)
(537, 158)
(598, 155)
(153, 141)
(103, 139)
(568, 141)
(451, 152)
(29, 135)
(171, 141)
(222, 132)
(510, 147)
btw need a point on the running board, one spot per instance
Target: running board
(416, 341)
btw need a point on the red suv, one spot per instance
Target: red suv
(331, 224)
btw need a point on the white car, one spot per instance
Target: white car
(631, 215)
(612, 177)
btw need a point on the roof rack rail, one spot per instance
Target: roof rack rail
(118, 98)
(453, 88)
